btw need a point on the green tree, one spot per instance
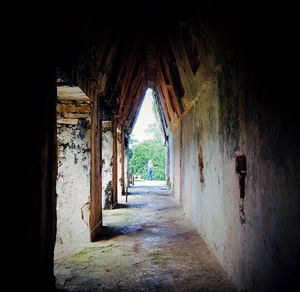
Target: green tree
(132, 143)
(153, 148)
(142, 152)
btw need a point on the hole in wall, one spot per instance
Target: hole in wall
(241, 170)
(200, 161)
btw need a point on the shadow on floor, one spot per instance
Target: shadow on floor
(150, 193)
(120, 206)
(109, 232)
(150, 188)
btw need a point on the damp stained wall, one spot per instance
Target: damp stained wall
(107, 164)
(227, 114)
(73, 178)
(174, 144)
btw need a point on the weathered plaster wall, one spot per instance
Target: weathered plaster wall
(175, 162)
(107, 164)
(73, 179)
(227, 114)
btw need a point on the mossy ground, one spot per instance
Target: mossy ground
(149, 246)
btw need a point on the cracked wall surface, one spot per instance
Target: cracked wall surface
(107, 164)
(253, 237)
(74, 162)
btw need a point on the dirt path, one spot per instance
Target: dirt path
(148, 246)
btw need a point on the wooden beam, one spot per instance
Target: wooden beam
(96, 171)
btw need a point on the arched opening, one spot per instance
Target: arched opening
(147, 145)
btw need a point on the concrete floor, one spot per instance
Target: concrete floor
(148, 245)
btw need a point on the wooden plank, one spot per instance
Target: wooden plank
(96, 171)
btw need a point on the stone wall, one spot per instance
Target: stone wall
(107, 164)
(256, 239)
(74, 160)
(175, 157)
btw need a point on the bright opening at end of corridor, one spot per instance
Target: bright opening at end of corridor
(147, 150)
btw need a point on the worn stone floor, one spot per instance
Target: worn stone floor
(147, 245)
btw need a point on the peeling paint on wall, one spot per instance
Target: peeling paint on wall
(73, 180)
(107, 164)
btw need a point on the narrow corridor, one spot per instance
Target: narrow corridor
(225, 80)
(149, 246)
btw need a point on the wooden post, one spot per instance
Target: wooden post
(96, 171)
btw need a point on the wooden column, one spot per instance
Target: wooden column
(115, 164)
(96, 171)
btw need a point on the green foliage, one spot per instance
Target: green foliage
(132, 143)
(140, 155)
(132, 140)
(153, 148)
